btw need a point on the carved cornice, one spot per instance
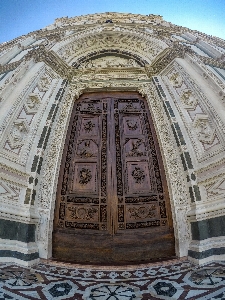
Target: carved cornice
(52, 60)
(166, 57)
(218, 63)
(9, 67)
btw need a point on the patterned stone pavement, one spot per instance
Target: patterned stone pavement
(166, 280)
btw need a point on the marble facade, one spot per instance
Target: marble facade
(179, 71)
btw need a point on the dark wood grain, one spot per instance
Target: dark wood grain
(112, 201)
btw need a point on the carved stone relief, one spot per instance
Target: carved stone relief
(19, 139)
(32, 103)
(188, 99)
(176, 79)
(8, 191)
(18, 133)
(216, 188)
(204, 136)
(146, 45)
(204, 131)
(43, 84)
(109, 62)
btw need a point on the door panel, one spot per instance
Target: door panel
(112, 201)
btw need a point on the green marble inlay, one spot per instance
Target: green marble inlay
(40, 165)
(188, 160)
(51, 111)
(13, 230)
(180, 135)
(175, 135)
(209, 228)
(31, 180)
(33, 197)
(34, 164)
(169, 108)
(40, 143)
(193, 177)
(197, 193)
(191, 194)
(27, 196)
(47, 138)
(183, 162)
(18, 255)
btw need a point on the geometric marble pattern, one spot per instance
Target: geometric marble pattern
(175, 279)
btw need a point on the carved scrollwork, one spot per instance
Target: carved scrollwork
(82, 213)
(130, 108)
(142, 212)
(91, 109)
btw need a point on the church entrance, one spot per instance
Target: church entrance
(112, 202)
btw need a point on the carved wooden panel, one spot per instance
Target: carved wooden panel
(112, 201)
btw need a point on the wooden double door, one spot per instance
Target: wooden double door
(112, 202)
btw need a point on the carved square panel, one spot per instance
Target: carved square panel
(138, 177)
(87, 148)
(85, 178)
(89, 126)
(132, 125)
(135, 147)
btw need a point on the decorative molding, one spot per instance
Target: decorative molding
(165, 58)
(9, 67)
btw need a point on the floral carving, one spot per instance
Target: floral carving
(43, 84)
(85, 176)
(89, 126)
(188, 99)
(132, 125)
(138, 174)
(176, 79)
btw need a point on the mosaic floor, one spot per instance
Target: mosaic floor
(168, 280)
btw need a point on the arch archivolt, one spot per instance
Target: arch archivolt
(175, 180)
(137, 43)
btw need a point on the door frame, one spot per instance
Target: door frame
(173, 166)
